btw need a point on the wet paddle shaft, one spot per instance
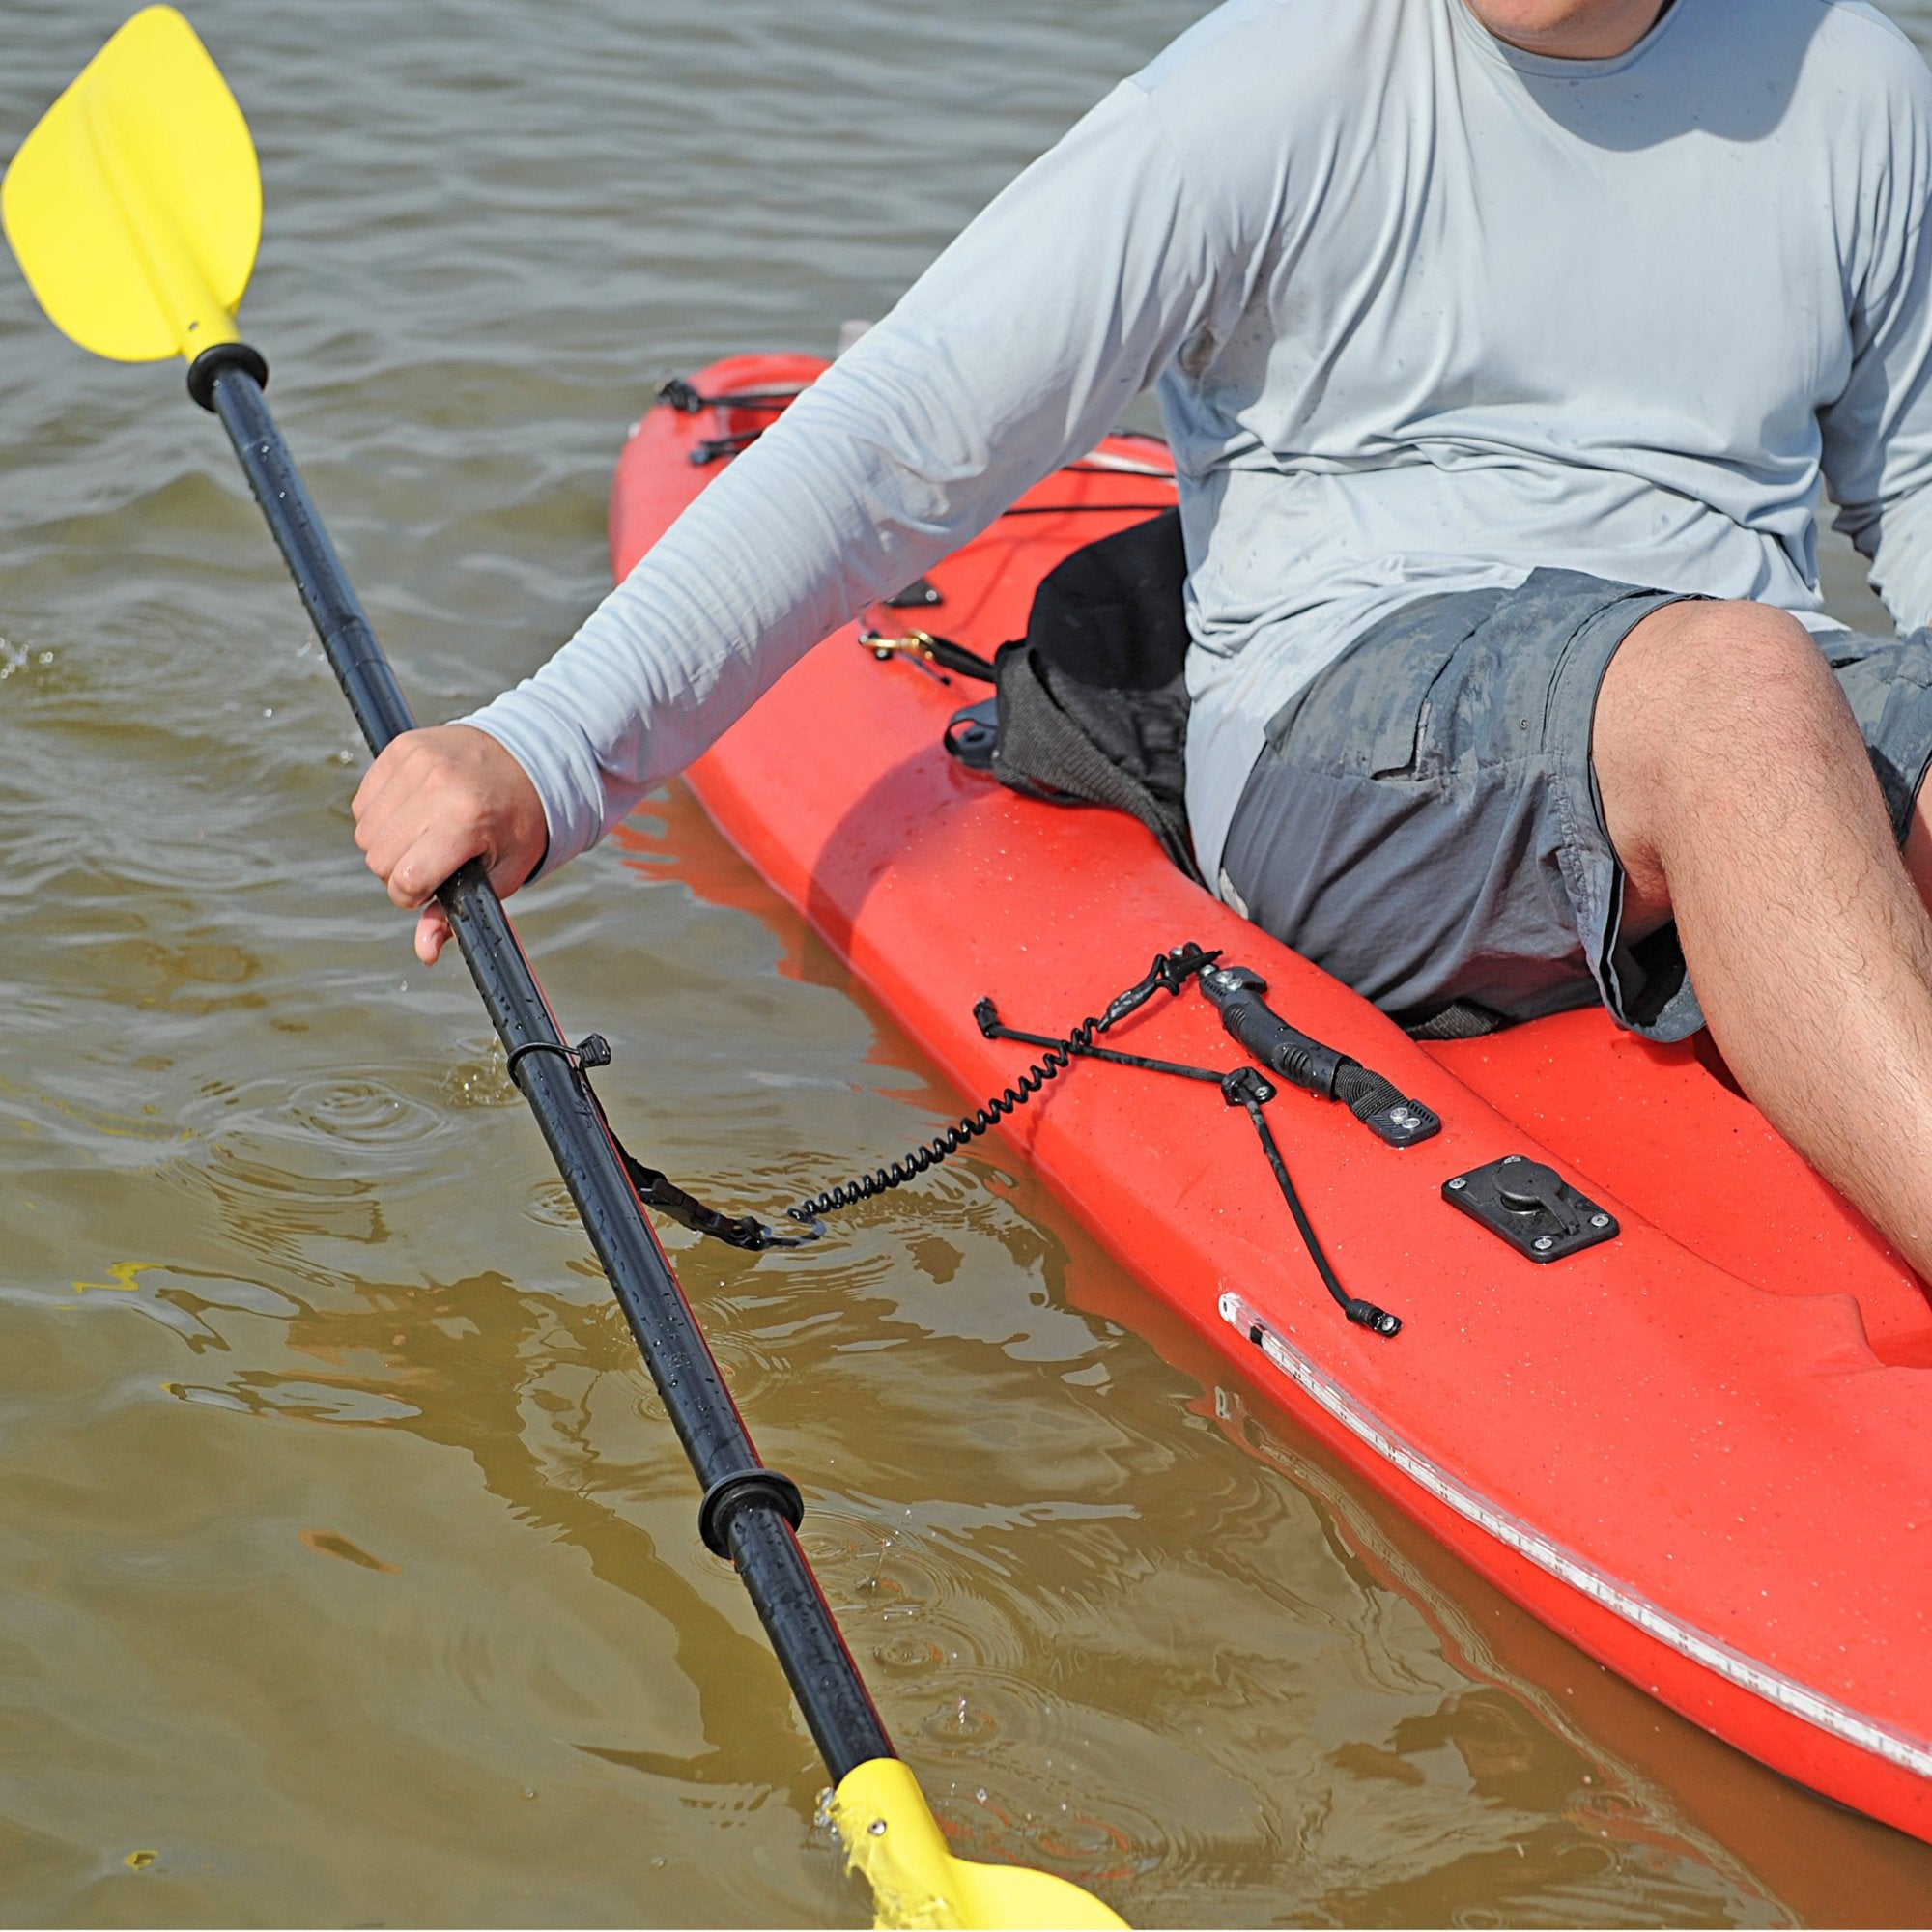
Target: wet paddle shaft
(749, 1512)
(135, 209)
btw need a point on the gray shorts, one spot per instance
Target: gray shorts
(1423, 821)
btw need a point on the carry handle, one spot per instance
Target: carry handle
(1236, 992)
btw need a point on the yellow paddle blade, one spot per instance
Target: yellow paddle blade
(134, 207)
(893, 1843)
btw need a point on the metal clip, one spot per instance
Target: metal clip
(915, 648)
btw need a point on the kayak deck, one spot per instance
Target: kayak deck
(1696, 1450)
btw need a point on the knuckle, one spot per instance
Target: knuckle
(449, 788)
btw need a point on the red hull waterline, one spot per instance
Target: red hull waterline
(1698, 1451)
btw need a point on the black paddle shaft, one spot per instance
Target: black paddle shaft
(749, 1512)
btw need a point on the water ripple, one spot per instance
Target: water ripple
(367, 1112)
(1113, 1643)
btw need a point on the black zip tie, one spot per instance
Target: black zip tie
(592, 1050)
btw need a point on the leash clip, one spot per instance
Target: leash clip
(1170, 972)
(914, 646)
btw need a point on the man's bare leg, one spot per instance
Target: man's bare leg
(1918, 843)
(1739, 796)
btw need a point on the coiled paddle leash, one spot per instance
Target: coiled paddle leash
(1236, 993)
(1170, 972)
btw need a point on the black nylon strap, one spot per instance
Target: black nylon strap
(738, 1231)
(1042, 753)
(1365, 1092)
(658, 1190)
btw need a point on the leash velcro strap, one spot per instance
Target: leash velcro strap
(658, 1190)
(738, 1231)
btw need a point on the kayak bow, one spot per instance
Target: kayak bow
(1654, 1378)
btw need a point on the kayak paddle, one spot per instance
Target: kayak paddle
(134, 208)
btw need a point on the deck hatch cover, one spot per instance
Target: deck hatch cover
(1531, 1207)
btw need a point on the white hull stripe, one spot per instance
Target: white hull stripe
(1786, 1694)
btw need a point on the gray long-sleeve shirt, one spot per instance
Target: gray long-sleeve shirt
(1426, 312)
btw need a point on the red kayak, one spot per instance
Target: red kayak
(1701, 1449)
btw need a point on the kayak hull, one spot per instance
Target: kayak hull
(1698, 1451)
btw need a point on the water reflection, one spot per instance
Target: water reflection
(348, 1570)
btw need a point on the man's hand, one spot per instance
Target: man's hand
(437, 797)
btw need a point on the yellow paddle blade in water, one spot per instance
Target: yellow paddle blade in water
(893, 1843)
(134, 207)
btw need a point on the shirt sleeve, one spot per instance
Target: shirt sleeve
(1014, 353)
(1878, 433)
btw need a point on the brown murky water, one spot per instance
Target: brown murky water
(347, 1571)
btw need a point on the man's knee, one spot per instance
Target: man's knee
(1703, 696)
(1703, 703)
